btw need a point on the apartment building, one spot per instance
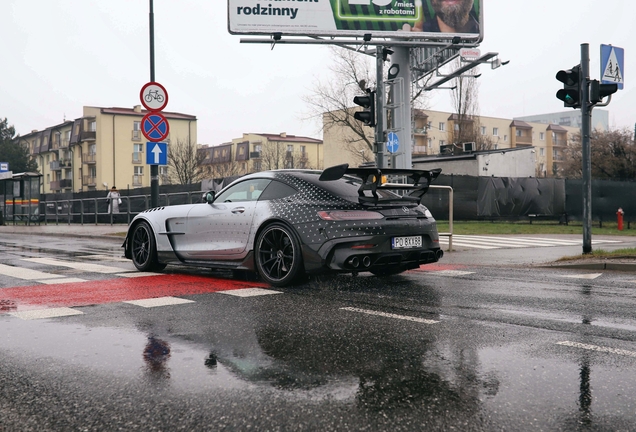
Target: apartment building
(103, 148)
(255, 152)
(434, 134)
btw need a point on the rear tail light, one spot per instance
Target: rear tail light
(339, 215)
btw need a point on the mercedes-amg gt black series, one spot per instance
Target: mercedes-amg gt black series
(285, 224)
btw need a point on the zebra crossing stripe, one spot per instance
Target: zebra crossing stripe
(87, 267)
(26, 274)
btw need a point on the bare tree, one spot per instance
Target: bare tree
(465, 100)
(330, 102)
(184, 162)
(613, 156)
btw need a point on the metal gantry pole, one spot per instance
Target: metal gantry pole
(154, 169)
(586, 120)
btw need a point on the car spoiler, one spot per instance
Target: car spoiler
(417, 183)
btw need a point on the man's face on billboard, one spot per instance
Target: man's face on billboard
(453, 13)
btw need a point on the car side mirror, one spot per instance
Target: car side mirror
(209, 196)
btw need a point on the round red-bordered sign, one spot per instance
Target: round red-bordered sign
(153, 96)
(155, 127)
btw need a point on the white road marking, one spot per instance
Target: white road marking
(583, 276)
(45, 313)
(494, 242)
(390, 315)
(451, 273)
(249, 292)
(105, 258)
(598, 348)
(25, 273)
(159, 301)
(87, 267)
(61, 281)
(137, 274)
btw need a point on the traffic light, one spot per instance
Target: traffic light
(366, 116)
(598, 91)
(570, 94)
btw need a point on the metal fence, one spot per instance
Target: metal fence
(95, 210)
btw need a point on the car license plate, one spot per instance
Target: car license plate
(407, 242)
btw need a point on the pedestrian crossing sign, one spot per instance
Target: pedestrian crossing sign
(612, 65)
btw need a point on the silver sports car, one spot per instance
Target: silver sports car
(284, 224)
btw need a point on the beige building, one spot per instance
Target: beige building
(433, 135)
(255, 152)
(103, 148)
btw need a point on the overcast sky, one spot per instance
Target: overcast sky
(60, 55)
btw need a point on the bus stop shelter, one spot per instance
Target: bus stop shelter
(20, 195)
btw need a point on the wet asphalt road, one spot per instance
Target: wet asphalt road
(450, 347)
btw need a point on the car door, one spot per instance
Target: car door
(220, 230)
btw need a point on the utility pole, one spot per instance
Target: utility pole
(379, 106)
(586, 120)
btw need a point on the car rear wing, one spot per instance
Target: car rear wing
(374, 179)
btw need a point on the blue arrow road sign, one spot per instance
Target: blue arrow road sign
(157, 153)
(393, 142)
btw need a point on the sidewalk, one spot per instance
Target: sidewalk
(526, 257)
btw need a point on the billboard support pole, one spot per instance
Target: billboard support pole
(379, 107)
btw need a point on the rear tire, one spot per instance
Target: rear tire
(144, 249)
(278, 256)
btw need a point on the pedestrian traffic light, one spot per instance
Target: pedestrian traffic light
(366, 116)
(570, 94)
(598, 91)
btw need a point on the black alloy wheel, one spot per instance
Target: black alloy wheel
(278, 256)
(144, 249)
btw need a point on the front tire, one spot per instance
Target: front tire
(144, 249)
(278, 256)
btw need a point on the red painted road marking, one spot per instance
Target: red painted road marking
(114, 290)
(439, 267)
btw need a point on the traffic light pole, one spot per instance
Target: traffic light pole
(586, 120)
(379, 107)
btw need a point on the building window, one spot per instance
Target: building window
(442, 142)
(92, 126)
(442, 126)
(496, 146)
(257, 165)
(518, 132)
(456, 126)
(505, 138)
(136, 125)
(495, 131)
(430, 142)
(542, 152)
(258, 148)
(483, 130)
(554, 153)
(542, 136)
(429, 125)
(302, 149)
(138, 150)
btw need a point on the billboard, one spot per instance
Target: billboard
(410, 19)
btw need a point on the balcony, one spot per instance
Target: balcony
(136, 135)
(255, 155)
(88, 180)
(65, 163)
(137, 180)
(64, 143)
(87, 136)
(419, 150)
(137, 157)
(68, 183)
(55, 165)
(524, 140)
(55, 185)
(559, 142)
(419, 131)
(89, 158)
